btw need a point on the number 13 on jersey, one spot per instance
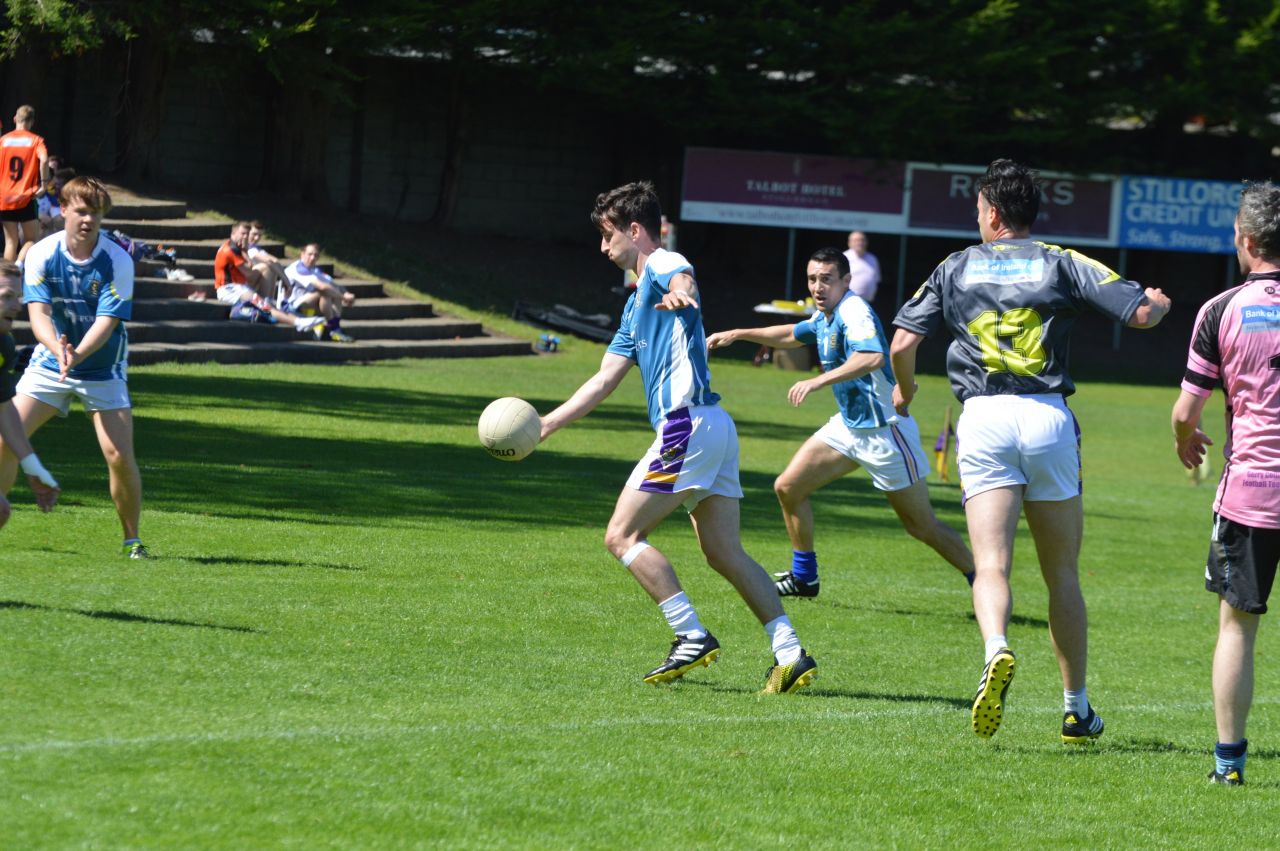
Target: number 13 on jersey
(1024, 331)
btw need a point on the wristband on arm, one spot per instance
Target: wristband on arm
(32, 467)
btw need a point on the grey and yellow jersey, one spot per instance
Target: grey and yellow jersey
(1010, 305)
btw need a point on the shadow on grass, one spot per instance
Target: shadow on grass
(843, 694)
(128, 617)
(261, 562)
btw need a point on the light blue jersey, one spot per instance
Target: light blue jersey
(865, 402)
(77, 294)
(669, 346)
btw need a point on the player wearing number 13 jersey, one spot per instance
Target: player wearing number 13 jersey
(1010, 303)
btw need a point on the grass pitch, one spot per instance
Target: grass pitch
(362, 632)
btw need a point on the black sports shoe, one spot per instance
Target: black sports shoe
(789, 586)
(988, 703)
(783, 679)
(686, 654)
(1233, 777)
(1075, 729)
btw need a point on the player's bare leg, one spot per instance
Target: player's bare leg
(635, 515)
(914, 509)
(1233, 671)
(12, 240)
(992, 518)
(33, 414)
(30, 235)
(115, 437)
(814, 466)
(1057, 528)
(716, 521)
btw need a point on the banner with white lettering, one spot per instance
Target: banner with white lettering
(1076, 210)
(1173, 214)
(791, 190)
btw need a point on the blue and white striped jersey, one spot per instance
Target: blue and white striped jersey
(669, 346)
(78, 293)
(865, 402)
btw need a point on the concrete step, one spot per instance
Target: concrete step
(144, 208)
(197, 268)
(313, 352)
(219, 329)
(207, 249)
(146, 287)
(164, 230)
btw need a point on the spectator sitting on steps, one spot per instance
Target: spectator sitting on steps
(232, 279)
(310, 288)
(264, 262)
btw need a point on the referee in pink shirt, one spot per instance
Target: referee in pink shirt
(1236, 346)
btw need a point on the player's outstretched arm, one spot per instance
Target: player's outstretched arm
(902, 356)
(1188, 440)
(1152, 310)
(613, 368)
(43, 485)
(682, 292)
(778, 336)
(858, 365)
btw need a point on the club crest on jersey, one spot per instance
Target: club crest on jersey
(1004, 270)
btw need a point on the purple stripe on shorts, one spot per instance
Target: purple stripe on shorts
(664, 469)
(1079, 456)
(909, 458)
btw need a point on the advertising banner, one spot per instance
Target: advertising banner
(1172, 214)
(1076, 210)
(792, 190)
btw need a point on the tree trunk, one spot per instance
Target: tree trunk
(141, 108)
(298, 142)
(457, 129)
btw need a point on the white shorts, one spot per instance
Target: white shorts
(1019, 440)
(890, 454)
(696, 450)
(44, 386)
(236, 293)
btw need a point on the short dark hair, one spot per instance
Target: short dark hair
(1013, 190)
(831, 255)
(634, 202)
(1259, 217)
(86, 190)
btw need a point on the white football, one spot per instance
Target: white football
(510, 428)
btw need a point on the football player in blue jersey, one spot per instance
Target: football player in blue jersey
(693, 461)
(78, 286)
(866, 431)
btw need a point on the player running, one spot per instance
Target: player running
(1236, 345)
(865, 432)
(693, 461)
(1010, 304)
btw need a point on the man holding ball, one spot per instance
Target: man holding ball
(693, 461)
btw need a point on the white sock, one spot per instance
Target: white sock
(1077, 702)
(786, 644)
(682, 618)
(995, 644)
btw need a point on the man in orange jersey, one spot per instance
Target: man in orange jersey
(25, 168)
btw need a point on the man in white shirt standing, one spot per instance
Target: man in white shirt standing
(864, 268)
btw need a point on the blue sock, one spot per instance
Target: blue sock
(1231, 756)
(804, 566)
(969, 577)
(128, 542)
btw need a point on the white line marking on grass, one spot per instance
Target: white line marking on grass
(339, 734)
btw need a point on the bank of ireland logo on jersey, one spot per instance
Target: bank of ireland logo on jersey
(1259, 317)
(1004, 270)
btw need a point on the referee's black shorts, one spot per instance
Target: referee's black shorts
(1242, 564)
